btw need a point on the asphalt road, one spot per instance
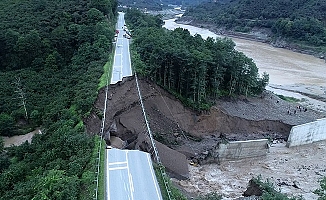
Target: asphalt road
(130, 176)
(121, 64)
(129, 173)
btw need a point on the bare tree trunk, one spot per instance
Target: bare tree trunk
(21, 95)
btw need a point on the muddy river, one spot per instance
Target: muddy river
(288, 70)
(291, 74)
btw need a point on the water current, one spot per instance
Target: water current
(290, 72)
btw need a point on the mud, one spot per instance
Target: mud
(292, 170)
(265, 116)
(192, 133)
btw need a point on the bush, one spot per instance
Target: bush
(210, 196)
(321, 192)
(269, 191)
(7, 124)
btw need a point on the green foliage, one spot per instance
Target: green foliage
(137, 20)
(7, 124)
(175, 193)
(55, 184)
(289, 99)
(1, 145)
(321, 192)
(101, 187)
(193, 69)
(107, 72)
(158, 4)
(298, 20)
(36, 117)
(4, 163)
(58, 57)
(58, 161)
(269, 191)
(4, 159)
(210, 196)
(57, 49)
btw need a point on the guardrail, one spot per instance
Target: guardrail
(101, 135)
(152, 142)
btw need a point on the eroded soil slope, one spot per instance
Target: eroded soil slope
(191, 132)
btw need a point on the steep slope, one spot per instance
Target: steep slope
(51, 58)
(299, 21)
(181, 128)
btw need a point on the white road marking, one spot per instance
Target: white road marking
(118, 163)
(131, 183)
(130, 180)
(121, 66)
(117, 168)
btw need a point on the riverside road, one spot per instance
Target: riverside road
(121, 65)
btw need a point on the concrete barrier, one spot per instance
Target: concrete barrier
(307, 133)
(242, 149)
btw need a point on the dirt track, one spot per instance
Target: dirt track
(238, 119)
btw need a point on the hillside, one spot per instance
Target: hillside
(158, 4)
(51, 59)
(296, 21)
(195, 70)
(193, 133)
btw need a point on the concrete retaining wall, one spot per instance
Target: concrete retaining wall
(307, 133)
(242, 149)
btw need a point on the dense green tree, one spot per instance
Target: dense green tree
(57, 49)
(196, 70)
(210, 196)
(7, 124)
(4, 162)
(321, 192)
(297, 20)
(56, 185)
(1, 144)
(158, 4)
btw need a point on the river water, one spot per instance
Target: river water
(289, 72)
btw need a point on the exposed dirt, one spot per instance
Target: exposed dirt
(191, 132)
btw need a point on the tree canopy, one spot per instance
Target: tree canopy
(298, 20)
(51, 58)
(56, 49)
(158, 4)
(194, 69)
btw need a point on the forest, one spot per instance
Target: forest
(158, 4)
(301, 21)
(195, 70)
(51, 59)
